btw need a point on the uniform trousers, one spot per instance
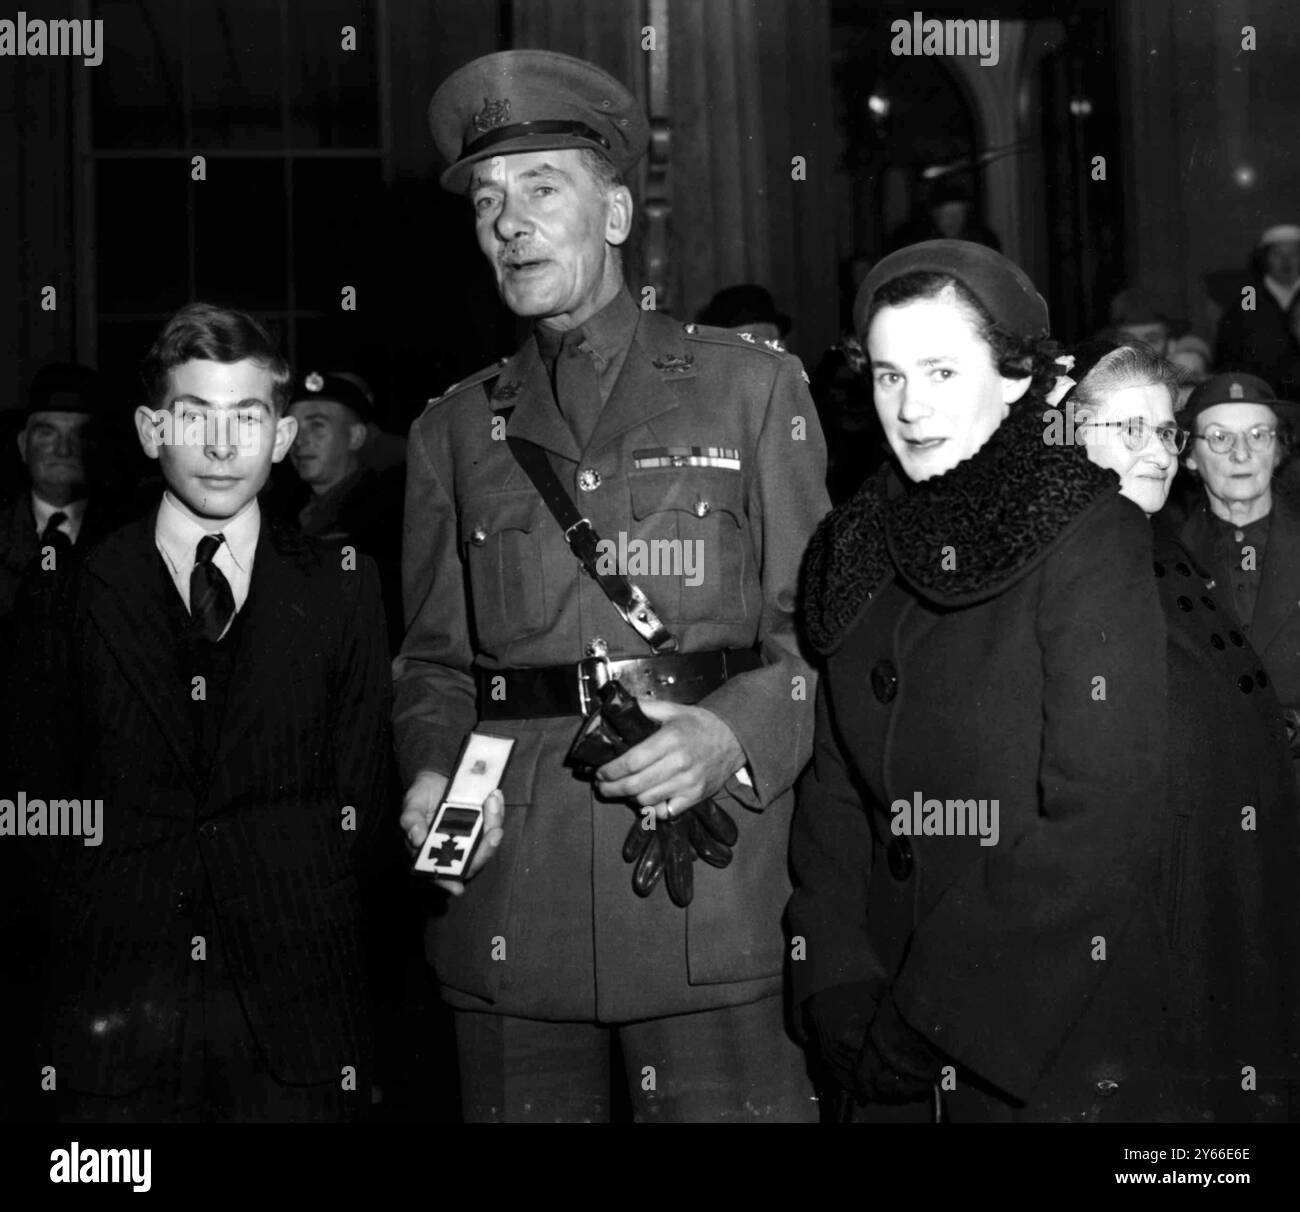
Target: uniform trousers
(731, 1065)
(217, 1072)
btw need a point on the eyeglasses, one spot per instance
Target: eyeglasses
(1258, 437)
(1136, 433)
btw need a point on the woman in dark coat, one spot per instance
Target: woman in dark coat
(978, 834)
(1230, 858)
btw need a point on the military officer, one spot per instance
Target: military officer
(696, 456)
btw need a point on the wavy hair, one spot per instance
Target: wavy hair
(1014, 356)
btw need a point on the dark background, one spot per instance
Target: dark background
(321, 174)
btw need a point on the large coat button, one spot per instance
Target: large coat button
(899, 856)
(479, 537)
(884, 681)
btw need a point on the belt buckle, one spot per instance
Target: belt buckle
(597, 668)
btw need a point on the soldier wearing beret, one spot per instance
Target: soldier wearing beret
(701, 446)
(350, 503)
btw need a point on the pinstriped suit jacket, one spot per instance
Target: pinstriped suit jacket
(305, 735)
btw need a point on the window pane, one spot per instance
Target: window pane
(338, 213)
(137, 97)
(141, 234)
(343, 342)
(333, 93)
(122, 346)
(235, 74)
(240, 236)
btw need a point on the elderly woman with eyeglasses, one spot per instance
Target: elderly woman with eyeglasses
(1225, 895)
(1244, 530)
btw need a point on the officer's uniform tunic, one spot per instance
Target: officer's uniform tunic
(708, 438)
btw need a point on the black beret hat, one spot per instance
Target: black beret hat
(1234, 388)
(316, 385)
(66, 387)
(998, 283)
(533, 100)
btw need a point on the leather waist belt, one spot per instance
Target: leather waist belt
(560, 690)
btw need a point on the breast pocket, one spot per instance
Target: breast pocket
(692, 543)
(501, 539)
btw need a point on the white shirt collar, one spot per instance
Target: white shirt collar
(178, 534)
(74, 512)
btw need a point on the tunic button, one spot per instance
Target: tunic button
(702, 508)
(1217, 641)
(884, 681)
(1235, 637)
(588, 479)
(1245, 684)
(1262, 679)
(899, 855)
(1208, 603)
(1184, 604)
(479, 537)
(1182, 568)
(1160, 568)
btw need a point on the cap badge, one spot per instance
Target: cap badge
(1236, 392)
(313, 382)
(493, 114)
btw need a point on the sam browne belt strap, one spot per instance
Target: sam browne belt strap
(629, 600)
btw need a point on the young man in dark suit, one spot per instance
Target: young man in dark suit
(229, 701)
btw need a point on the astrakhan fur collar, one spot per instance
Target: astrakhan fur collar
(956, 539)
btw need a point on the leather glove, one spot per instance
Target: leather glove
(897, 1064)
(670, 846)
(838, 1019)
(867, 1047)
